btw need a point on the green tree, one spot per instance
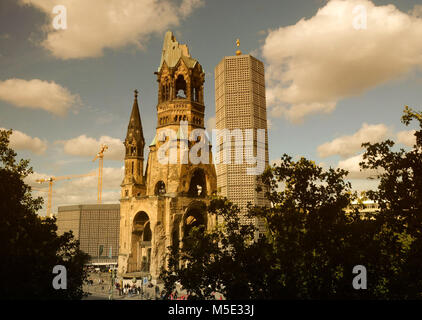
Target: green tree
(30, 246)
(224, 260)
(314, 237)
(399, 195)
(309, 251)
(317, 238)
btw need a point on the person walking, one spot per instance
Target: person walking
(157, 292)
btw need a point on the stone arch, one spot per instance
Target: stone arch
(195, 216)
(160, 188)
(140, 256)
(198, 183)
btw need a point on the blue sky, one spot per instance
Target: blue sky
(339, 79)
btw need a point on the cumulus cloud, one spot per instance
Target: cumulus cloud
(318, 61)
(417, 11)
(21, 141)
(95, 25)
(30, 179)
(211, 123)
(80, 190)
(38, 94)
(88, 147)
(347, 146)
(352, 165)
(407, 138)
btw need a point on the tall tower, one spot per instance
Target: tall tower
(159, 208)
(180, 110)
(133, 182)
(240, 104)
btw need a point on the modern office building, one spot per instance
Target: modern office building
(240, 104)
(96, 226)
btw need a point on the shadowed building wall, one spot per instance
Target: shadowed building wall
(96, 226)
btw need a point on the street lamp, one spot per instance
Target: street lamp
(113, 274)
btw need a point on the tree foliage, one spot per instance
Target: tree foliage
(224, 260)
(30, 246)
(400, 199)
(314, 236)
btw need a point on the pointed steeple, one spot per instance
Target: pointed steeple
(135, 133)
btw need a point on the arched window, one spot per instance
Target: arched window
(180, 87)
(140, 257)
(194, 217)
(195, 94)
(160, 188)
(198, 186)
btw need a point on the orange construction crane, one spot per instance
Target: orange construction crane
(50, 186)
(100, 156)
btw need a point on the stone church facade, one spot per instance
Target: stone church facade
(158, 207)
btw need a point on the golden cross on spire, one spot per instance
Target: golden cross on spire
(238, 52)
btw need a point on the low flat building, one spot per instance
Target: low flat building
(96, 226)
(364, 206)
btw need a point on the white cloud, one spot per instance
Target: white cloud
(21, 141)
(95, 25)
(38, 94)
(112, 178)
(88, 147)
(407, 137)
(347, 146)
(318, 61)
(417, 11)
(352, 165)
(30, 180)
(188, 6)
(364, 184)
(211, 123)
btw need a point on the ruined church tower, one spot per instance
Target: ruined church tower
(158, 207)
